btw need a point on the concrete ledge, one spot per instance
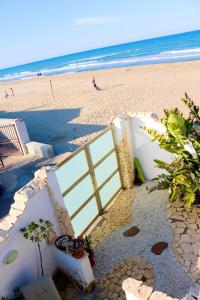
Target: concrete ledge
(39, 149)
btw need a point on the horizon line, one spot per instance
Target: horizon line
(104, 47)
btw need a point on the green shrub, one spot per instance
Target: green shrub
(182, 136)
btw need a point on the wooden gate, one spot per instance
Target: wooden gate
(9, 141)
(89, 179)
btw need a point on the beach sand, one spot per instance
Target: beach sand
(78, 111)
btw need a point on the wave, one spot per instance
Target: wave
(96, 57)
(195, 50)
(98, 62)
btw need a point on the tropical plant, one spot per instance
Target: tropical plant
(36, 233)
(182, 138)
(139, 176)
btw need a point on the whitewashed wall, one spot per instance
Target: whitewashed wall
(26, 267)
(140, 142)
(22, 133)
(40, 198)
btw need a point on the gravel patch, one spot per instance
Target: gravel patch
(149, 215)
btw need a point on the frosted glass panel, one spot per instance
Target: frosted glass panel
(109, 190)
(85, 217)
(101, 146)
(106, 168)
(74, 168)
(78, 195)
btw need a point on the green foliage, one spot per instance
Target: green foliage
(36, 233)
(181, 177)
(139, 169)
(194, 110)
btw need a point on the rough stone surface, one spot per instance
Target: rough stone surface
(149, 213)
(136, 267)
(125, 162)
(22, 197)
(186, 231)
(118, 215)
(64, 220)
(137, 290)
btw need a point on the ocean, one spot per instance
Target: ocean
(173, 48)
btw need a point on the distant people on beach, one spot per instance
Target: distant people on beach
(6, 94)
(39, 74)
(11, 89)
(95, 85)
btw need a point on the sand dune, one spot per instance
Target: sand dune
(78, 111)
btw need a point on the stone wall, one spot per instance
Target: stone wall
(63, 218)
(124, 150)
(125, 163)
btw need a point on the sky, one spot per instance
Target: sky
(32, 30)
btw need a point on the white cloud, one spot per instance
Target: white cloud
(96, 20)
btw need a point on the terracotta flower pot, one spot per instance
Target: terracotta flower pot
(76, 248)
(78, 253)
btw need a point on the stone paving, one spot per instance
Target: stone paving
(149, 213)
(135, 267)
(186, 230)
(118, 215)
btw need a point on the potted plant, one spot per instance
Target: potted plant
(89, 250)
(182, 176)
(76, 247)
(36, 233)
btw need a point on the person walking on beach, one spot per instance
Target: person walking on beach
(95, 85)
(11, 89)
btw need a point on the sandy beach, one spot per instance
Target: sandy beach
(78, 111)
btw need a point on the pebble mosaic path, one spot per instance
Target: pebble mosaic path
(149, 213)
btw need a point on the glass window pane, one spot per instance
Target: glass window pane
(101, 146)
(109, 190)
(74, 199)
(106, 168)
(85, 217)
(72, 170)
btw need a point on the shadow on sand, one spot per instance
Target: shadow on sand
(54, 127)
(45, 126)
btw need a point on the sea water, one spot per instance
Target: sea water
(173, 48)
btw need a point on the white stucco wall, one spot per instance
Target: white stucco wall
(38, 199)
(144, 148)
(140, 143)
(26, 267)
(22, 133)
